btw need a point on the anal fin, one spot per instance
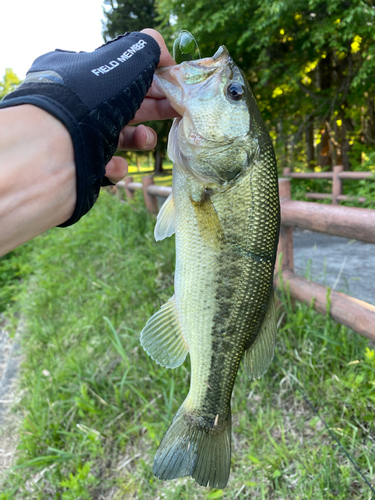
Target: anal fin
(259, 355)
(162, 338)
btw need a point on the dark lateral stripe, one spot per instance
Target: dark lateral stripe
(242, 294)
(254, 256)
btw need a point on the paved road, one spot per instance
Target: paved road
(9, 361)
(348, 266)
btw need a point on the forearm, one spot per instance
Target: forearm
(37, 174)
(60, 129)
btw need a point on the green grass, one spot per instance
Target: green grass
(13, 268)
(94, 406)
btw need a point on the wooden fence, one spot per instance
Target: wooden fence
(348, 222)
(337, 176)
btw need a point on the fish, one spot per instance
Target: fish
(224, 210)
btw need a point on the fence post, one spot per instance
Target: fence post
(150, 200)
(336, 184)
(120, 186)
(128, 192)
(286, 233)
(287, 171)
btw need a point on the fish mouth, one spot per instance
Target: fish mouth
(178, 82)
(168, 85)
(221, 57)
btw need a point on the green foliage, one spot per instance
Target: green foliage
(125, 15)
(305, 61)
(10, 82)
(94, 406)
(13, 267)
(76, 487)
(310, 65)
(365, 189)
(354, 188)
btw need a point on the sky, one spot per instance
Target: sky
(30, 28)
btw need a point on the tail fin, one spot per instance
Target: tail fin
(191, 447)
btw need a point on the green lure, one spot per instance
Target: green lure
(185, 47)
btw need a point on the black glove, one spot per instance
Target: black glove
(94, 94)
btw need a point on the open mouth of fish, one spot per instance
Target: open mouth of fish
(190, 79)
(178, 83)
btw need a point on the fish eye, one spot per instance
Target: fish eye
(235, 91)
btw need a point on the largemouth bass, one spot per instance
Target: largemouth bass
(224, 209)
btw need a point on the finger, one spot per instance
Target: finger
(155, 109)
(139, 138)
(165, 58)
(116, 169)
(155, 92)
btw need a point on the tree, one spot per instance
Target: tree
(127, 15)
(310, 63)
(10, 82)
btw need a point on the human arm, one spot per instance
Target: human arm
(38, 170)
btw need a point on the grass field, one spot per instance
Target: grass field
(94, 406)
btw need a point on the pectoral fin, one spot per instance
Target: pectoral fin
(259, 356)
(209, 224)
(162, 339)
(165, 225)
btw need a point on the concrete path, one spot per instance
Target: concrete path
(9, 361)
(347, 266)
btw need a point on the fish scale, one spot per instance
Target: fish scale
(224, 209)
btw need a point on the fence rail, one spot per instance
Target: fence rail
(337, 176)
(348, 222)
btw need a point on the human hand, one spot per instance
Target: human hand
(154, 107)
(94, 95)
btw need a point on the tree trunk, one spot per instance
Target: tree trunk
(158, 156)
(370, 128)
(347, 126)
(324, 150)
(324, 81)
(324, 72)
(338, 159)
(310, 143)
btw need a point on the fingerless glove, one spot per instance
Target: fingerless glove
(94, 94)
